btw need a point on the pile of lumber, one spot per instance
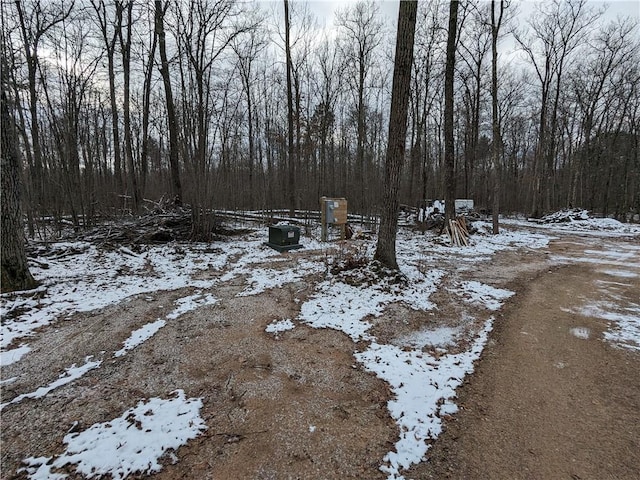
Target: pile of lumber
(458, 232)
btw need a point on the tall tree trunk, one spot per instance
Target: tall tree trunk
(100, 8)
(38, 170)
(495, 120)
(26, 142)
(539, 160)
(15, 272)
(360, 174)
(386, 247)
(449, 147)
(144, 154)
(125, 47)
(298, 134)
(115, 128)
(251, 147)
(171, 112)
(291, 145)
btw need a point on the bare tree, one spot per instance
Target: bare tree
(496, 144)
(247, 48)
(291, 146)
(172, 118)
(35, 23)
(323, 118)
(427, 73)
(474, 45)
(449, 145)
(110, 37)
(146, 106)
(66, 91)
(386, 247)
(557, 29)
(361, 36)
(124, 12)
(302, 44)
(426, 99)
(612, 51)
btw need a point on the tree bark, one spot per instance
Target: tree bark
(125, 47)
(386, 247)
(148, 76)
(449, 146)
(171, 112)
(110, 47)
(291, 145)
(15, 271)
(495, 120)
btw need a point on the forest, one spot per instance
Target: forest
(119, 105)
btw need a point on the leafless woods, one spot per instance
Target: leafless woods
(121, 102)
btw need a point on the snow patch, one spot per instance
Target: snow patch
(420, 383)
(624, 331)
(280, 326)
(481, 294)
(94, 278)
(581, 332)
(621, 273)
(72, 373)
(8, 357)
(139, 336)
(436, 337)
(183, 305)
(190, 303)
(262, 279)
(130, 444)
(343, 307)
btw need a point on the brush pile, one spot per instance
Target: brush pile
(566, 215)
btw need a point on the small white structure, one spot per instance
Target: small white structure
(437, 207)
(464, 205)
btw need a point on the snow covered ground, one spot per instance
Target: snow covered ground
(422, 369)
(602, 227)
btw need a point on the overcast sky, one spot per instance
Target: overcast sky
(325, 9)
(389, 8)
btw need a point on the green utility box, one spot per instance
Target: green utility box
(284, 237)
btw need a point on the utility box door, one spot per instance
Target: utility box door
(335, 211)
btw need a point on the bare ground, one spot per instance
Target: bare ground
(543, 403)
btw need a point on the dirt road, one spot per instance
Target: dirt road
(550, 399)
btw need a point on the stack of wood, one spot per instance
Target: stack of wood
(458, 232)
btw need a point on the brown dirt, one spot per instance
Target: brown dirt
(543, 403)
